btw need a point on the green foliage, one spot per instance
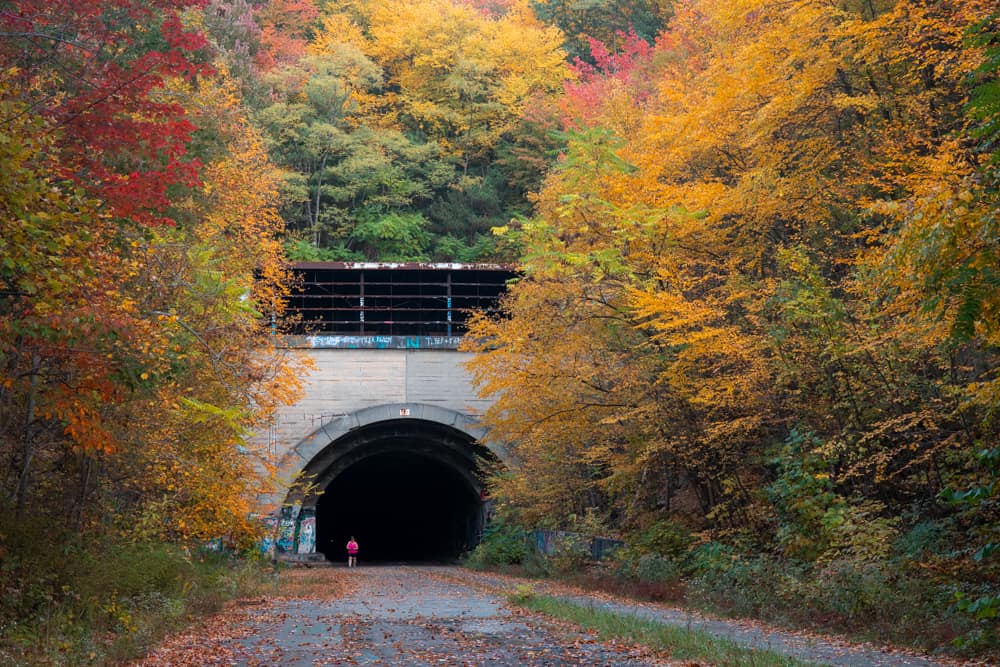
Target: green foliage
(393, 237)
(503, 544)
(654, 568)
(711, 558)
(734, 585)
(925, 540)
(977, 501)
(982, 608)
(403, 113)
(654, 555)
(873, 591)
(665, 537)
(475, 207)
(450, 248)
(679, 642)
(816, 523)
(340, 173)
(65, 600)
(803, 497)
(570, 555)
(301, 250)
(523, 594)
(984, 102)
(872, 599)
(525, 157)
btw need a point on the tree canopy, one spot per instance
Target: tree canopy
(141, 263)
(767, 255)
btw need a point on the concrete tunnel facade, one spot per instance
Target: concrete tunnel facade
(386, 446)
(404, 479)
(385, 443)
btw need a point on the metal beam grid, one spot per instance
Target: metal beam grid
(393, 299)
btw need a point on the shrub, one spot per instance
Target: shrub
(738, 587)
(503, 544)
(536, 564)
(88, 599)
(522, 594)
(710, 558)
(662, 545)
(924, 540)
(657, 569)
(571, 554)
(803, 497)
(665, 538)
(876, 599)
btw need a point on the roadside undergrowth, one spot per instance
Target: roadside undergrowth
(678, 643)
(69, 599)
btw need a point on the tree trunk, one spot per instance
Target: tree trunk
(27, 439)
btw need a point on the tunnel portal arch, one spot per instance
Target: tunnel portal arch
(404, 479)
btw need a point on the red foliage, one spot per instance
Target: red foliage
(612, 70)
(619, 64)
(93, 69)
(286, 26)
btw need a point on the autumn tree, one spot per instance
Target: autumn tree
(212, 288)
(418, 148)
(606, 21)
(141, 271)
(794, 247)
(286, 28)
(124, 143)
(235, 35)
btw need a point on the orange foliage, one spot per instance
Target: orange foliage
(753, 246)
(136, 359)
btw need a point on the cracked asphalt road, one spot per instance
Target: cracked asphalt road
(423, 615)
(392, 615)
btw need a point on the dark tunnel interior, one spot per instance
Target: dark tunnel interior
(400, 506)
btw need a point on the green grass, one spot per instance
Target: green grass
(678, 643)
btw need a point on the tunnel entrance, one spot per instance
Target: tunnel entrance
(406, 489)
(399, 506)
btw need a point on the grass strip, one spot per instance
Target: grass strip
(678, 643)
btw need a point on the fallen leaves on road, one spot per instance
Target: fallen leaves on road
(384, 616)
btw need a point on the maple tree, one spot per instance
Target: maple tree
(286, 27)
(136, 325)
(120, 140)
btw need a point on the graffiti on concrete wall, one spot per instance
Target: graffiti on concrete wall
(377, 342)
(286, 529)
(267, 542)
(307, 534)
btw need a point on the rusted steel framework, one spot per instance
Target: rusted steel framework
(383, 299)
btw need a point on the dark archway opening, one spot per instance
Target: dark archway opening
(400, 506)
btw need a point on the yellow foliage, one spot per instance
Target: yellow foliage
(141, 357)
(462, 77)
(767, 241)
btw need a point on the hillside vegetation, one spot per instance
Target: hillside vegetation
(756, 332)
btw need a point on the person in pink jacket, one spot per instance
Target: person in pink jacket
(352, 552)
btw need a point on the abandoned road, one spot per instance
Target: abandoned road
(385, 615)
(406, 615)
